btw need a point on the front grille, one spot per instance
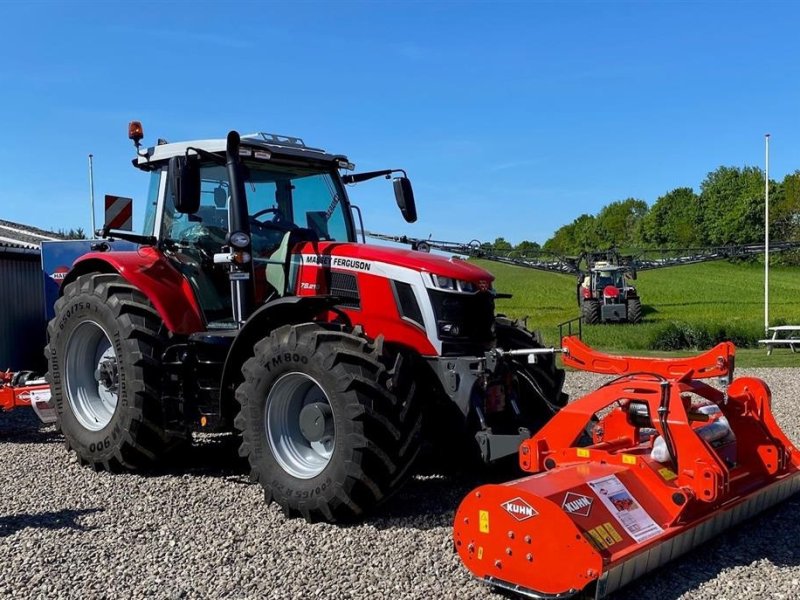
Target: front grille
(463, 317)
(345, 286)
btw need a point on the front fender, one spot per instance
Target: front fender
(149, 271)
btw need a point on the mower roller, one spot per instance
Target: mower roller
(672, 462)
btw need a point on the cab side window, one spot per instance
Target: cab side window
(211, 219)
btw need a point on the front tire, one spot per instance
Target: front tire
(324, 435)
(105, 372)
(543, 377)
(591, 311)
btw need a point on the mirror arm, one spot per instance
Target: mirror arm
(359, 177)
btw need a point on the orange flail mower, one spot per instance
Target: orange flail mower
(670, 462)
(24, 389)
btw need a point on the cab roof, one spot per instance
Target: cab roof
(604, 266)
(269, 144)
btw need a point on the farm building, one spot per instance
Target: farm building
(22, 320)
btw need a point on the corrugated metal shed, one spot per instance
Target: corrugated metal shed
(22, 322)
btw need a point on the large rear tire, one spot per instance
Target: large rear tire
(591, 311)
(105, 374)
(330, 423)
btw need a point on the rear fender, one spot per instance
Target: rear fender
(148, 270)
(289, 310)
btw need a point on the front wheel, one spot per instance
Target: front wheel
(324, 435)
(591, 311)
(543, 379)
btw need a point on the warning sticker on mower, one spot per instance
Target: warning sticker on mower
(483, 521)
(624, 508)
(605, 536)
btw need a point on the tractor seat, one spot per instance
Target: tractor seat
(278, 262)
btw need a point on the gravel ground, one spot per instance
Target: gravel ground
(200, 530)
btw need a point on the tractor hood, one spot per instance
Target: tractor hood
(368, 254)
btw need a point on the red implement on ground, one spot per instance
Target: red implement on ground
(671, 463)
(24, 389)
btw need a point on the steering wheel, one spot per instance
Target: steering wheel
(267, 235)
(278, 223)
(276, 220)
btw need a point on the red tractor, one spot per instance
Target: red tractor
(250, 305)
(604, 294)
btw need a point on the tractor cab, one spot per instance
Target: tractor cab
(292, 194)
(285, 204)
(606, 276)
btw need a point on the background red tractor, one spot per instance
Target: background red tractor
(250, 304)
(604, 294)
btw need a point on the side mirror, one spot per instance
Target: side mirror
(405, 198)
(184, 178)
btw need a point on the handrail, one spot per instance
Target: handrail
(568, 325)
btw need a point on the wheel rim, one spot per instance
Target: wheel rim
(299, 424)
(92, 376)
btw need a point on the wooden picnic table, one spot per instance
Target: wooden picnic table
(782, 335)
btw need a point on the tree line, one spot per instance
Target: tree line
(728, 210)
(72, 234)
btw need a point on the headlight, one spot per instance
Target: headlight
(450, 329)
(444, 283)
(453, 285)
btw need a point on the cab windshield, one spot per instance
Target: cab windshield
(280, 199)
(606, 278)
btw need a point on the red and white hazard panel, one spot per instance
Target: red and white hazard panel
(119, 212)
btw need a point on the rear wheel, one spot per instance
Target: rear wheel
(330, 424)
(591, 311)
(105, 373)
(634, 310)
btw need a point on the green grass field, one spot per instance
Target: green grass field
(692, 306)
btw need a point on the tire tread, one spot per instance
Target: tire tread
(386, 426)
(145, 438)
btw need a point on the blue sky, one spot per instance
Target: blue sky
(510, 118)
